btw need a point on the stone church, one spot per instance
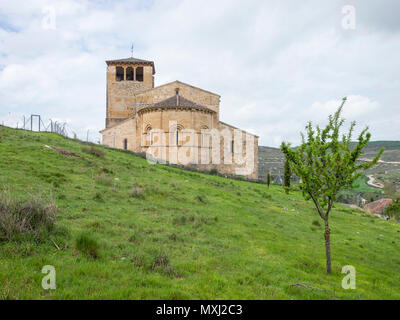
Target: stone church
(175, 122)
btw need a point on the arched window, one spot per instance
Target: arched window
(139, 74)
(177, 130)
(129, 74)
(125, 144)
(119, 75)
(149, 134)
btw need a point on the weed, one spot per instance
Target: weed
(267, 196)
(161, 263)
(202, 198)
(32, 217)
(316, 223)
(94, 151)
(87, 245)
(98, 197)
(104, 180)
(138, 192)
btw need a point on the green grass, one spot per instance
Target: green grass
(164, 233)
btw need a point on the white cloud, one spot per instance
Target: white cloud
(355, 107)
(276, 64)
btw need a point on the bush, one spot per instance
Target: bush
(393, 210)
(95, 152)
(214, 172)
(87, 245)
(32, 217)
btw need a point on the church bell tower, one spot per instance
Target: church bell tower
(126, 78)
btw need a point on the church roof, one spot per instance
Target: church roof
(132, 60)
(178, 102)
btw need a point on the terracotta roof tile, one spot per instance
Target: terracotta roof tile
(132, 60)
(379, 206)
(178, 102)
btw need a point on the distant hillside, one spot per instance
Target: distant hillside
(389, 166)
(272, 159)
(269, 160)
(127, 229)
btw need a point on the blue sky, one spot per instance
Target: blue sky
(276, 64)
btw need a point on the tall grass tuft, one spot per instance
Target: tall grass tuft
(138, 191)
(161, 264)
(87, 245)
(94, 151)
(26, 218)
(104, 180)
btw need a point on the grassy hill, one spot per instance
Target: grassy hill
(163, 233)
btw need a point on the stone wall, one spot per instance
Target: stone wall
(114, 137)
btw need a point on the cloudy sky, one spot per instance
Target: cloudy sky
(276, 64)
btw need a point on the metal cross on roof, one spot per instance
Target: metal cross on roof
(132, 50)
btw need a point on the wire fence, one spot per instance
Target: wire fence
(36, 123)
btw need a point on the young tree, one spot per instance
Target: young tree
(326, 164)
(393, 210)
(286, 176)
(268, 179)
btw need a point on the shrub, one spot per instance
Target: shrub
(214, 171)
(87, 245)
(32, 217)
(393, 210)
(94, 151)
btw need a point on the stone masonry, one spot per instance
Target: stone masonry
(174, 122)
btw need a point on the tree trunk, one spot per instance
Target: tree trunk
(328, 247)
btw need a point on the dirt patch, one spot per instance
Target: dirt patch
(63, 152)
